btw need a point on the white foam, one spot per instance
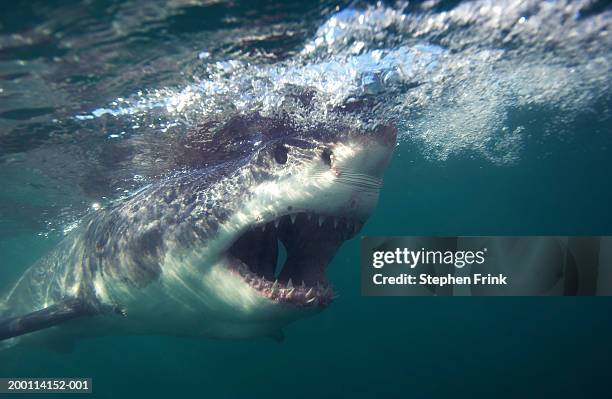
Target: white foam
(456, 95)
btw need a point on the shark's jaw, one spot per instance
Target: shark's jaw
(311, 242)
(310, 209)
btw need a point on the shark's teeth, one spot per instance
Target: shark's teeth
(345, 224)
(279, 292)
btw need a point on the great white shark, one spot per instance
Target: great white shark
(195, 252)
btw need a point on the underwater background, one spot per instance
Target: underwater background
(503, 116)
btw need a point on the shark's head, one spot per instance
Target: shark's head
(265, 215)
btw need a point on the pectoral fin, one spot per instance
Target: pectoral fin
(53, 315)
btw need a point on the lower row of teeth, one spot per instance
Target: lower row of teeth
(287, 292)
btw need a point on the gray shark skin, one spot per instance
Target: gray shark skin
(195, 252)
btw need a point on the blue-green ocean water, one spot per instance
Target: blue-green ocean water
(506, 132)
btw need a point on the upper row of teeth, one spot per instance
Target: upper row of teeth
(354, 225)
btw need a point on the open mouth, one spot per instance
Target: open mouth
(310, 242)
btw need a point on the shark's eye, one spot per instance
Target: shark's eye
(280, 154)
(326, 156)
